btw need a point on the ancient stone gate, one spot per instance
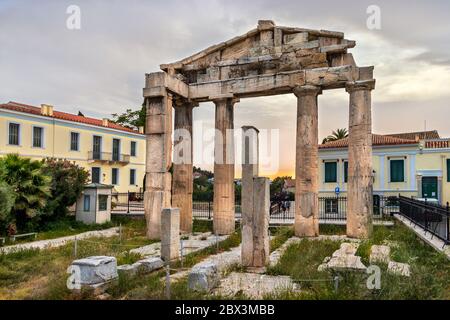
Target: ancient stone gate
(268, 60)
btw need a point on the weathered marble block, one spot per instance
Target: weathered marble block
(380, 254)
(170, 234)
(96, 269)
(150, 264)
(400, 269)
(204, 277)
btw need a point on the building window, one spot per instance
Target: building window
(397, 170)
(114, 176)
(345, 171)
(13, 135)
(331, 206)
(87, 203)
(132, 176)
(116, 150)
(95, 175)
(330, 172)
(448, 170)
(74, 141)
(97, 148)
(38, 137)
(102, 202)
(133, 149)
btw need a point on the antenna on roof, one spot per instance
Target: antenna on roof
(80, 114)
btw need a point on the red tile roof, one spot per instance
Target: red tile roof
(377, 140)
(420, 135)
(20, 107)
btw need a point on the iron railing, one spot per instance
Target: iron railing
(433, 218)
(330, 208)
(108, 157)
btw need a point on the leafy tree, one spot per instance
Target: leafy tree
(30, 185)
(339, 134)
(276, 187)
(6, 203)
(67, 184)
(131, 119)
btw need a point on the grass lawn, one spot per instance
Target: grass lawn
(35, 274)
(430, 278)
(67, 226)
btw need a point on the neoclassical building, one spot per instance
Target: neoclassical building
(412, 164)
(113, 154)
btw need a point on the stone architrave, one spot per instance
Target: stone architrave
(224, 167)
(158, 178)
(182, 187)
(307, 159)
(360, 176)
(170, 234)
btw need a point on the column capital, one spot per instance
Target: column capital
(367, 85)
(302, 91)
(181, 102)
(225, 98)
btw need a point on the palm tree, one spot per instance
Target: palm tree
(336, 135)
(29, 184)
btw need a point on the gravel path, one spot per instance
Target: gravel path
(58, 242)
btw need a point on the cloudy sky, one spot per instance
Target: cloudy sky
(100, 68)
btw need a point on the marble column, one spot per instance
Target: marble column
(360, 179)
(158, 161)
(223, 217)
(307, 162)
(182, 186)
(249, 172)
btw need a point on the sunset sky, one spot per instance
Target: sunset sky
(100, 69)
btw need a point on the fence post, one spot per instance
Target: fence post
(120, 233)
(426, 216)
(209, 210)
(75, 247)
(181, 252)
(336, 284)
(448, 221)
(128, 201)
(168, 281)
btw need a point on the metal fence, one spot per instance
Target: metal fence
(127, 203)
(431, 217)
(330, 208)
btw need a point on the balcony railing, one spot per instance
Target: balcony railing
(437, 144)
(109, 157)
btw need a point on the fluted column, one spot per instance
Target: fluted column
(224, 167)
(158, 161)
(306, 166)
(360, 179)
(182, 187)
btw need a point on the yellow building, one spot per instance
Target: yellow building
(112, 153)
(411, 164)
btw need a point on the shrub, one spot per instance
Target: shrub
(67, 181)
(29, 184)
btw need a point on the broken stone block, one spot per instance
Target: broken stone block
(203, 277)
(96, 270)
(254, 286)
(380, 254)
(150, 264)
(400, 269)
(170, 234)
(346, 263)
(129, 269)
(346, 249)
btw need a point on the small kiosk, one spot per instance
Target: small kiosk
(94, 204)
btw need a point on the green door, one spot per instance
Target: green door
(430, 187)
